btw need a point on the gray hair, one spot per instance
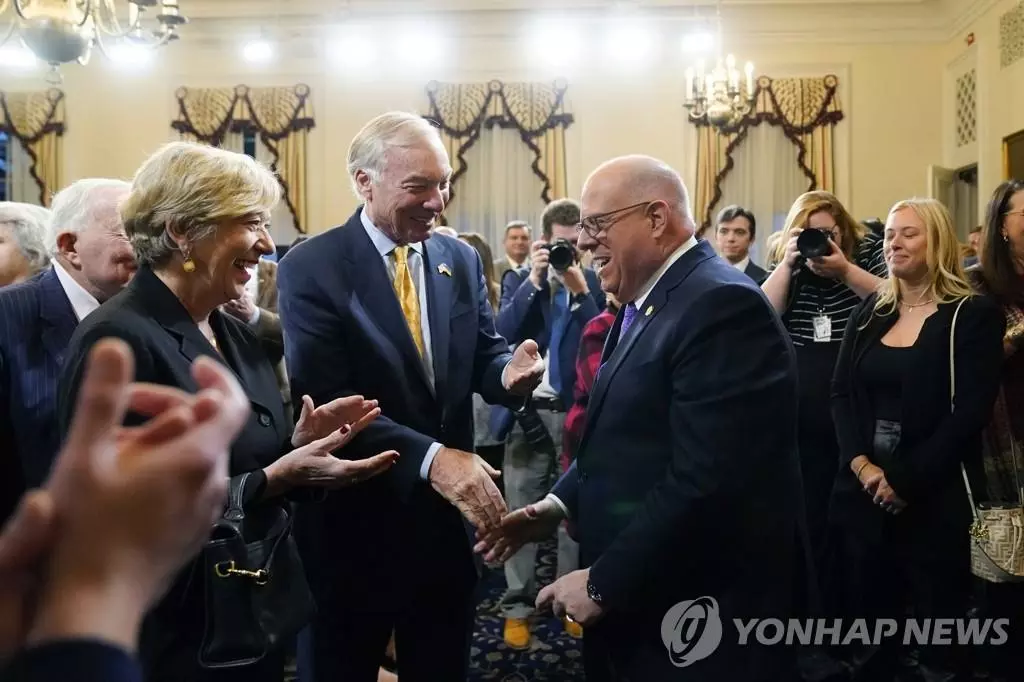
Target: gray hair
(393, 129)
(29, 225)
(73, 207)
(191, 188)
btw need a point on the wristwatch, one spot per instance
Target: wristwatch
(579, 299)
(594, 595)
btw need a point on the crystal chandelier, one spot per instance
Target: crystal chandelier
(63, 31)
(723, 95)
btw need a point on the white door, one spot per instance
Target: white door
(942, 186)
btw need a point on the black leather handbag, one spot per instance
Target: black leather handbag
(256, 594)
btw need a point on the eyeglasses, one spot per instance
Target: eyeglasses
(832, 232)
(1019, 211)
(602, 222)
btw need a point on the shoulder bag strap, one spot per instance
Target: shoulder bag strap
(235, 510)
(952, 400)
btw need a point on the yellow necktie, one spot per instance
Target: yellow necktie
(405, 290)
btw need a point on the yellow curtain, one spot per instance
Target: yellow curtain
(36, 119)
(282, 117)
(536, 110)
(807, 110)
(713, 162)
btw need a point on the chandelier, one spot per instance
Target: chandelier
(722, 96)
(62, 31)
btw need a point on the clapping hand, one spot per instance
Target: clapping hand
(526, 369)
(319, 422)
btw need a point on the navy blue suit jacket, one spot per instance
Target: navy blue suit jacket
(81, 660)
(687, 482)
(525, 313)
(36, 324)
(345, 334)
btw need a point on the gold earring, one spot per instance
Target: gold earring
(189, 265)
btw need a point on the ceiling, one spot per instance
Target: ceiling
(795, 20)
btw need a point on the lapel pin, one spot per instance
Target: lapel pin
(444, 269)
(650, 309)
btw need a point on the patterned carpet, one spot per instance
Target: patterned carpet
(553, 655)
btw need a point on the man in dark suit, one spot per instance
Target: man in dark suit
(517, 250)
(91, 261)
(686, 489)
(735, 231)
(376, 308)
(550, 305)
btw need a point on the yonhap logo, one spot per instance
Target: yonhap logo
(691, 631)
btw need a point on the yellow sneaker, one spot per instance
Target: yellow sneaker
(517, 633)
(574, 629)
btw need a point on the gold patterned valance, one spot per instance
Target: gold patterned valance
(36, 120)
(281, 117)
(536, 110)
(806, 109)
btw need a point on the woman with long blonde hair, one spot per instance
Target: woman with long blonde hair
(899, 496)
(815, 298)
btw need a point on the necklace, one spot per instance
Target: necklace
(911, 306)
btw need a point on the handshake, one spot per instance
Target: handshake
(467, 482)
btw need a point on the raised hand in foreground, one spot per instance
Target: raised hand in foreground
(124, 509)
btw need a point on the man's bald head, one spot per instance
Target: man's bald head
(636, 213)
(629, 180)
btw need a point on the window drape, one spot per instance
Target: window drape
(281, 118)
(806, 110)
(34, 121)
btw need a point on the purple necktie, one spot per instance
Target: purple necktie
(628, 315)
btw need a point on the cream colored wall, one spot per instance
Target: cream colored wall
(115, 118)
(1000, 99)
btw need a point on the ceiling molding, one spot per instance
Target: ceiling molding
(795, 21)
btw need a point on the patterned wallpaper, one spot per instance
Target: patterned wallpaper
(966, 108)
(1011, 36)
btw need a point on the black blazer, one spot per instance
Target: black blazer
(933, 441)
(165, 341)
(755, 272)
(687, 480)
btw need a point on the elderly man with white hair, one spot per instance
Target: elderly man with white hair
(22, 241)
(381, 307)
(91, 260)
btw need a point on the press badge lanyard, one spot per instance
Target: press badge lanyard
(822, 322)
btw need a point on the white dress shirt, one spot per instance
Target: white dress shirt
(742, 265)
(82, 302)
(638, 302)
(385, 246)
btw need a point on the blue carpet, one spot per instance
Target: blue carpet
(553, 655)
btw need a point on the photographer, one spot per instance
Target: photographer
(550, 302)
(821, 268)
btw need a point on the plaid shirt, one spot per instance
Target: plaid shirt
(587, 363)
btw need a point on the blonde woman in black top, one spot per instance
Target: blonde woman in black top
(899, 495)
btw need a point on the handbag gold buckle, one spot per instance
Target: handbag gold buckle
(226, 569)
(979, 531)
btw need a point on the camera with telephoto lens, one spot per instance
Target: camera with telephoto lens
(561, 254)
(813, 243)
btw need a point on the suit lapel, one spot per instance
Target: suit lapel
(59, 320)
(436, 262)
(373, 287)
(616, 351)
(169, 312)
